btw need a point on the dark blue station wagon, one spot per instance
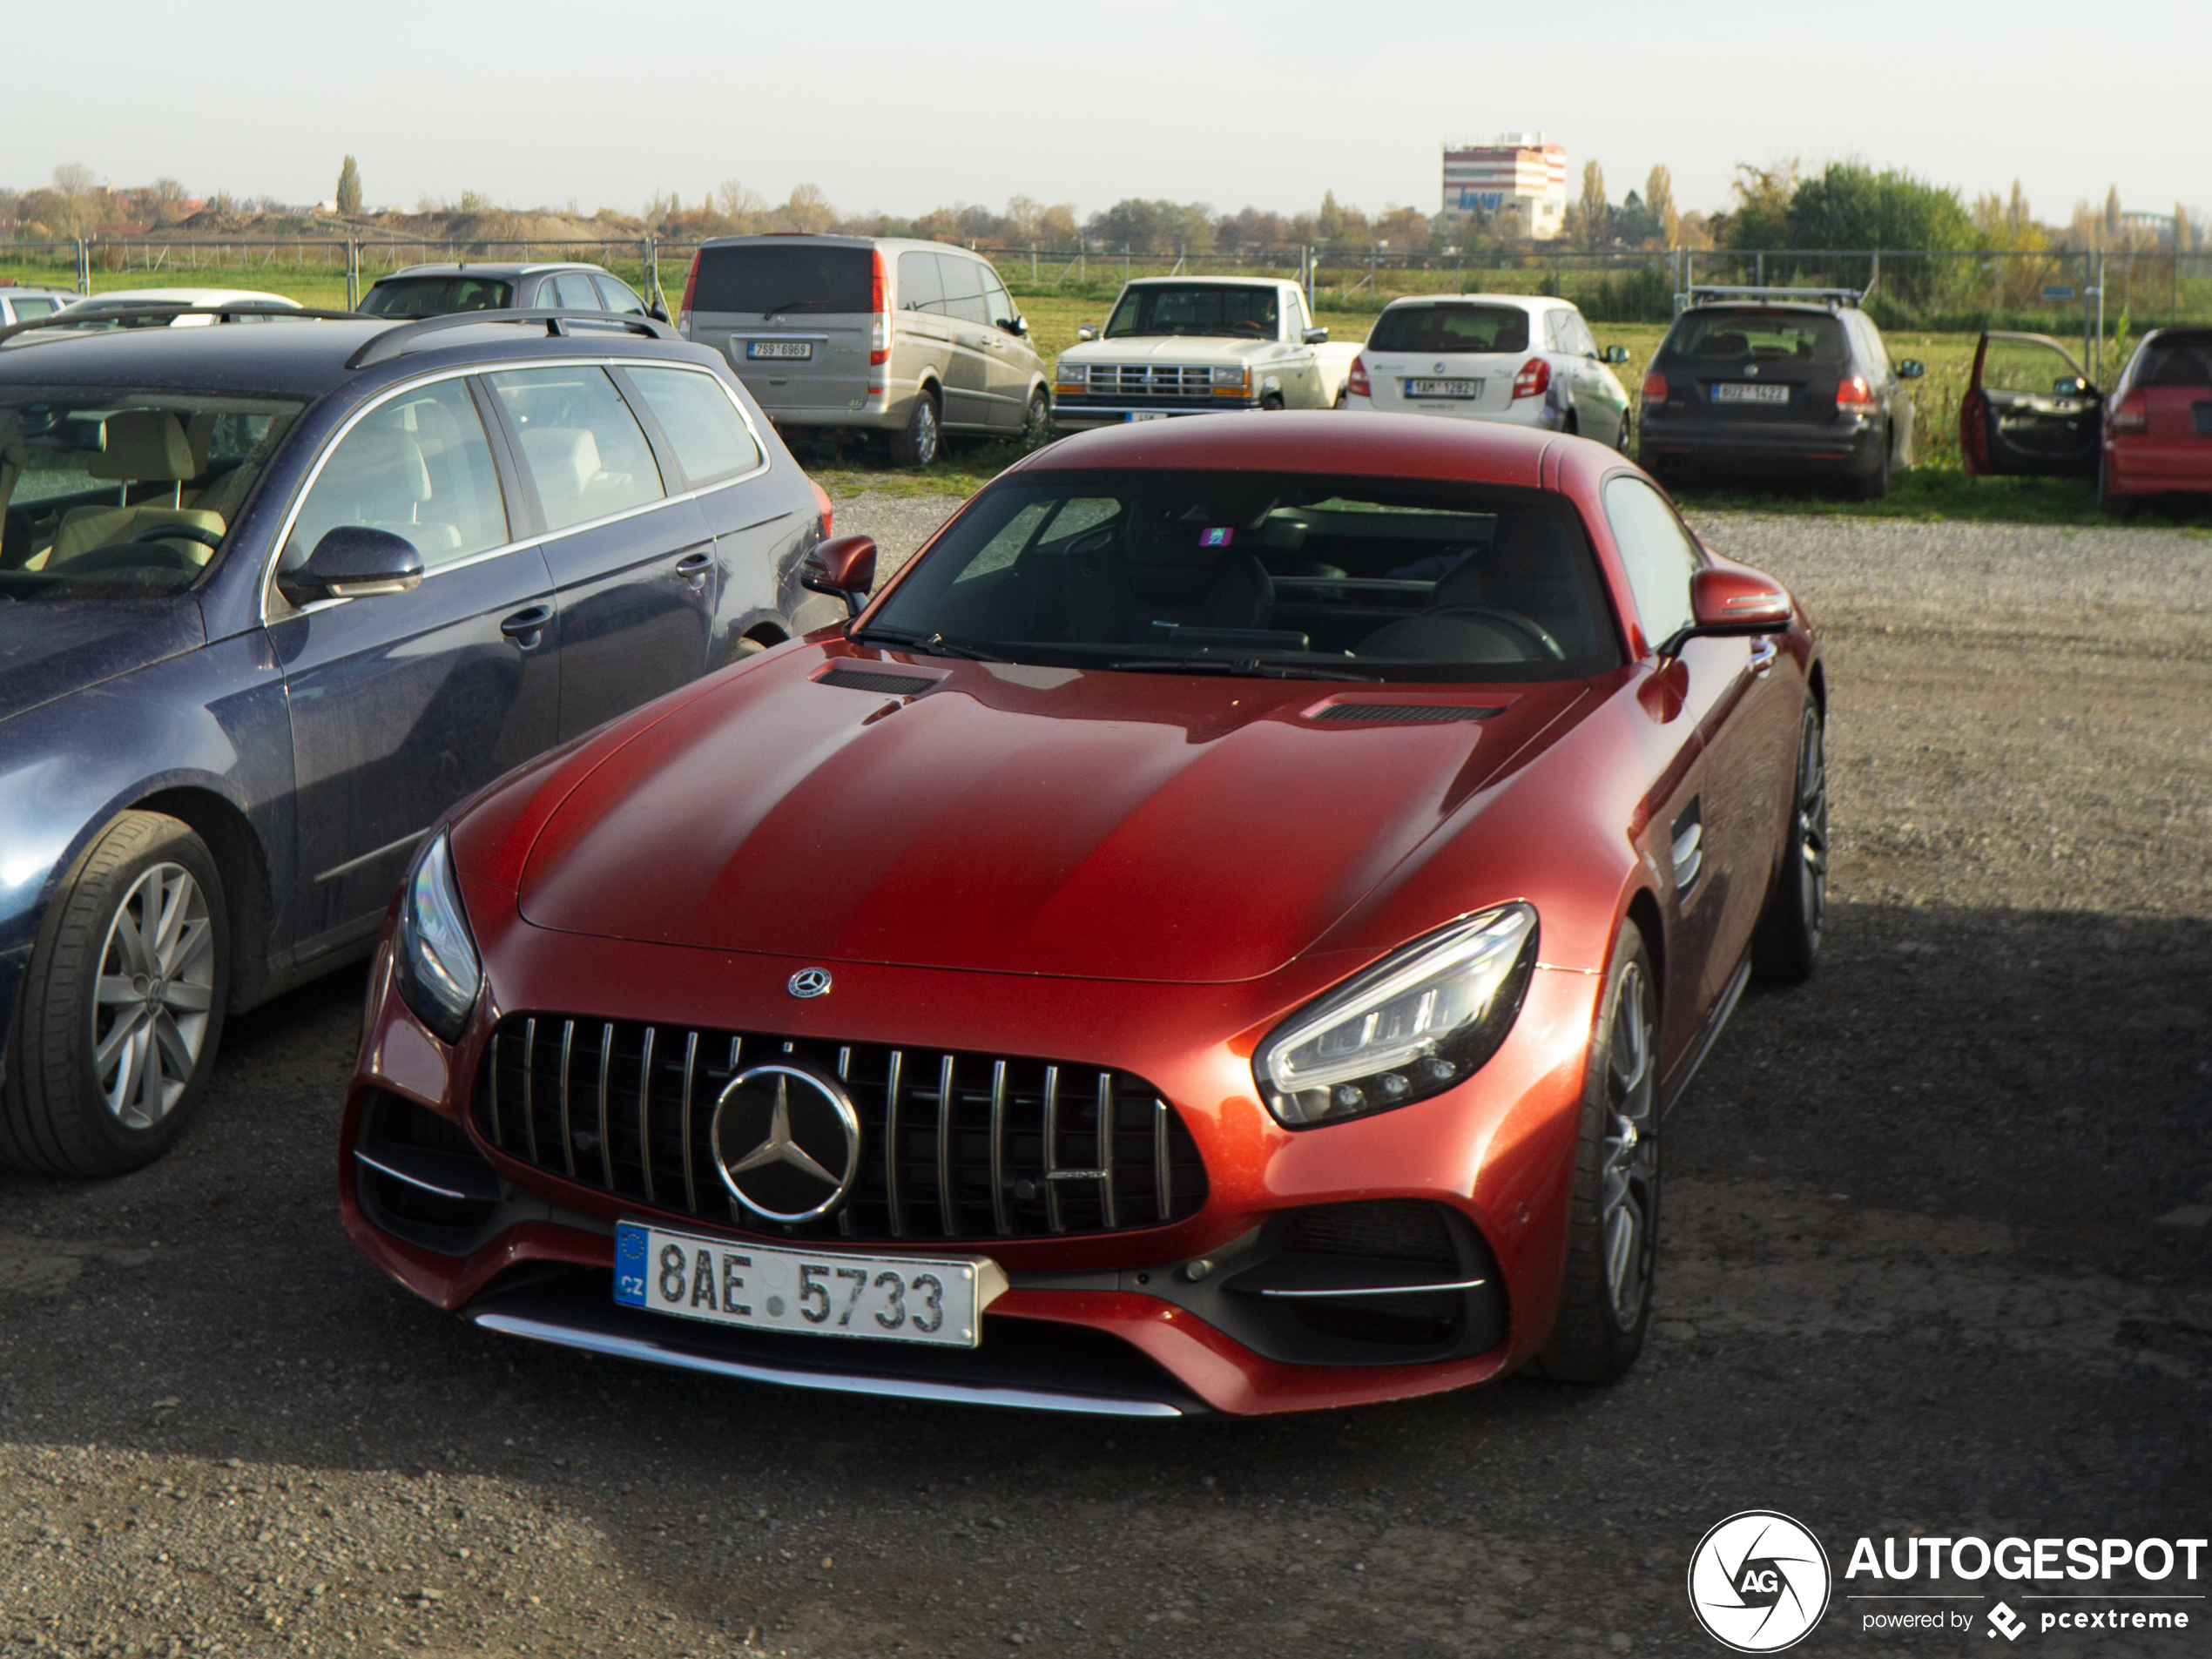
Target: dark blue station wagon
(272, 598)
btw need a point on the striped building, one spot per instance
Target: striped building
(1520, 174)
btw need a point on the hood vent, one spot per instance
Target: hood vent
(1406, 713)
(856, 679)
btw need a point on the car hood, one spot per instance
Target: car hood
(1008, 819)
(49, 649)
(1172, 348)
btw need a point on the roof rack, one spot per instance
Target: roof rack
(389, 344)
(1706, 293)
(89, 311)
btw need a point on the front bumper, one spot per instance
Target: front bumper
(1078, 413)
(1822, 450)
(1148, 1319)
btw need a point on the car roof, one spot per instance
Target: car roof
(831, 238)
(1212, 281)
(487, 268)
(1322, 442)
(1524, 301)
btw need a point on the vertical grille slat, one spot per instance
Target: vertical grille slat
(981, 1150)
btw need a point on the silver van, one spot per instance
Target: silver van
(912, 338)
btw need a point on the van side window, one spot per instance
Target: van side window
(919, 288)
(1657, 554)
(963, 280)
(996, 302)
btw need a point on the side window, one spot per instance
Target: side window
(1585, 342)
(26, 309)
(418, 466)
(1657, 554)
(997, 306)
(584, 448)
(710, 438)
(919, 288)
(618, 298)
(963, 280)
(1878, 356)
(1294, 323)
(575, 292)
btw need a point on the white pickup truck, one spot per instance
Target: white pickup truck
(1198, 345)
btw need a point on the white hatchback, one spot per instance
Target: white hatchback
(1526, 360)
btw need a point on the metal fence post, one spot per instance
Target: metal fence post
(83, 266)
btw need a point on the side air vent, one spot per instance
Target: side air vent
(1405, 713)
(856, 679)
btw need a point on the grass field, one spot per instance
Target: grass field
(1936, 489)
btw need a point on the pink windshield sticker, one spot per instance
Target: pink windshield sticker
(1216, 538)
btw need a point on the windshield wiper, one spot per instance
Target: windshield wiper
(790, 305)
(1247, 667)
(932, 644)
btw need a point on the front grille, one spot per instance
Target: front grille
(1405, 713)
(1136, 379)
(953, 1146)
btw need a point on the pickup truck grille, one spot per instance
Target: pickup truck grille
(1136, 379)
(953, 1146)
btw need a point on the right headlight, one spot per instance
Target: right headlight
(439, 971)
(1067, 373)
(1418, 1022)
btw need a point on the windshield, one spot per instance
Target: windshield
(435, 296)
(1195, 309)
(109, 492)
(1452, 329)
(1806, 336)
(1263, 574)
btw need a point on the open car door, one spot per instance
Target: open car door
(2028, 409)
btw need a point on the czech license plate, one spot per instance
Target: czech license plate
(893, 1298)
(1443, 388)
(1749, 392)
(757, 349)
(1146, 414)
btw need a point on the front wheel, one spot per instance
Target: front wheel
(1790, 928)
(123, 1007)
(1620, 437)
(916, 445)
(1613, 1229)
(1036, 422)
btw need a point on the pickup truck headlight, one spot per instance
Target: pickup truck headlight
(1420, 1022)
(1071, 374)
(1238, 378)
(439, 971)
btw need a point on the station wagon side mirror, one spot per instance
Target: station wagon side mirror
(354, 562)
(1086, 332)
(2070, 386)
(844, 565)
(1731, 599)
(1911, 368)
(1315, 336)
(1616, 353)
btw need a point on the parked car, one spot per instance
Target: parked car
(154, 308)
(437, 290)
(2157, 428)
(903, 339)
(1177, 346)
(271, 600)
(1530, 362)
(1218, 931)
(1777, 383)
(20, 305)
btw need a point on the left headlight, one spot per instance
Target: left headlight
(439, 973)
(1416, 1024)
(1232, 376)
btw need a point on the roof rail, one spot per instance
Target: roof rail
(389, 344)
(1707, 294)
(91, 310)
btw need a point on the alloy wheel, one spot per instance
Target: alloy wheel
(1628, 1197)
(925, 433)
(1809, 825)
(157, 982)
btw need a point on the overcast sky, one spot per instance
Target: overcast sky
(903, 106)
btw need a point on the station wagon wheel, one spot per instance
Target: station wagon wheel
(124, 1004)
(1613, 1225)
(1790, 930)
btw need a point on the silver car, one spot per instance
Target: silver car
(911, 339)
(20, 305)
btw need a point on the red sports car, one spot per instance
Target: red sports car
(1220, 930)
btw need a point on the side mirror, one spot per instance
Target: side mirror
(1910, 368)
(1616, 353)
(658, 312)
(1315, 336)
(354, 562)
(844, 565)
(1016, 326)
(2069, 386)
(1086, 332)
(1729, 599)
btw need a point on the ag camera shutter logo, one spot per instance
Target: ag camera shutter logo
(1758, 1581)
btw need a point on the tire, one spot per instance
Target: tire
(1343, 397)
(1787, 937)
(115, 1036)
(1875, 485)
(1620, 439)
(1036, 422)
(2109, 503)
(918, 444)
(1270, 402)
(1572, 426)
(1613, 1228)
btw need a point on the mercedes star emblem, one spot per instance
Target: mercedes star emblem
(810, 981)
(787, 1141)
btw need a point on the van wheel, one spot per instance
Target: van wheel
(1036, 422)
(917, 445)
(123, 1007)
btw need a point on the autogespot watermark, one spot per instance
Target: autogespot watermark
(1760, 1582)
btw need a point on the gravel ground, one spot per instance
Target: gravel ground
(1936, 1258)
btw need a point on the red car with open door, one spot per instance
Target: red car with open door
(2028, 409)
(1220, 931)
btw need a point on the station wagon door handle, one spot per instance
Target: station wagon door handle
(527, 627)
(693, 567)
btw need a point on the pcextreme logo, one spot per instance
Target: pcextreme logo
(1758, 1581)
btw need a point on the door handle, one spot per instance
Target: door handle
(1763, 655)
(527, 627)
(693, 567)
